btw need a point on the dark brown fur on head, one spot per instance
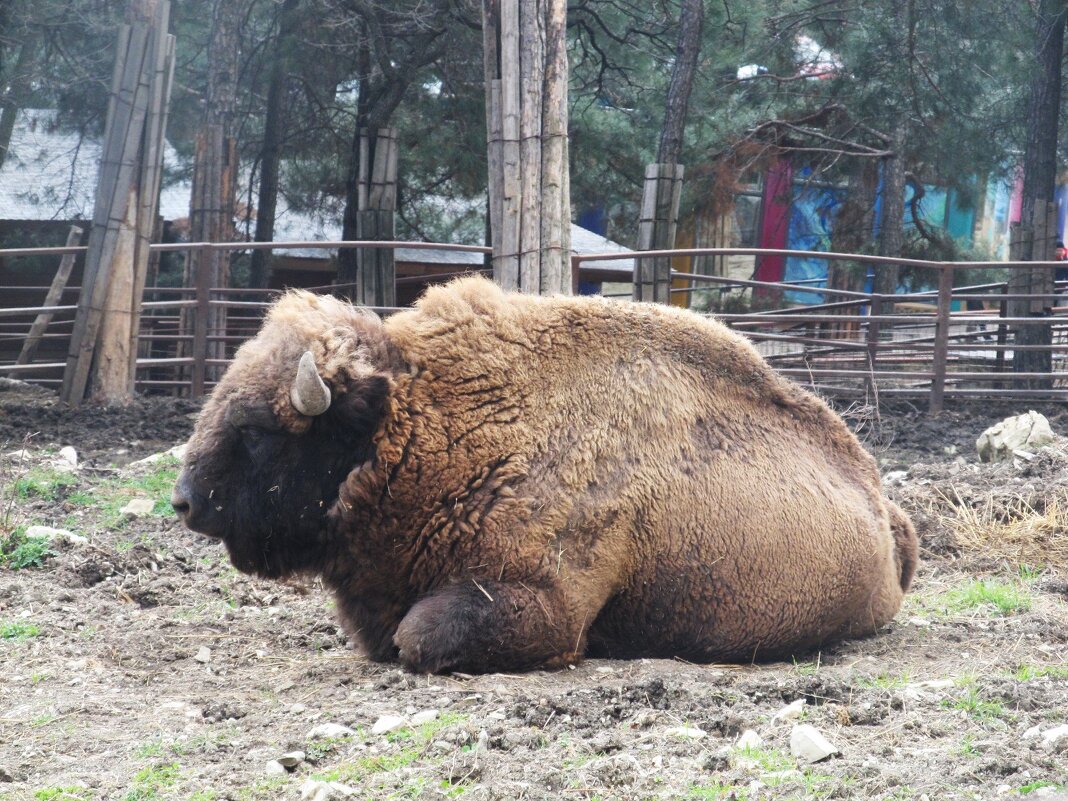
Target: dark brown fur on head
(258, 473)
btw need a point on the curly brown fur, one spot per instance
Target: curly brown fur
(527, 480)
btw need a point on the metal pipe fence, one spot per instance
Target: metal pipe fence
(934, 344)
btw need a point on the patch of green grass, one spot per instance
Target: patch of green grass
(414, 741)
(149, 781)
(1031, 573)
(17, 630)
(767, 760)
(263, 790)
(18, 552)
(63, 794)
(716, 792)
(1031, 672)
(977, 707)
(967, 746)
(1030, 787)
(204, 795)
(45, 483)
(993, 596)
(884, 681)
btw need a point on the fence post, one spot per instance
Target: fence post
(200, 322)
(941, 343)
(875, 303)
(576, 266)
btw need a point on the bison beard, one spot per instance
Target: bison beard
(499, 482)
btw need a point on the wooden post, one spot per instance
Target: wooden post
(55, 293)
(874, 309)
(656, 231)
(128, 181)
(525, 60)
(941, 340)
(200, 323)
(370, 276)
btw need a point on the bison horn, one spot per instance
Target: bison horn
(310, 395)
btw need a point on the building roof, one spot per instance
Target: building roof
(50, 173)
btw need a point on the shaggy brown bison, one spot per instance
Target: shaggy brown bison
(496, 482)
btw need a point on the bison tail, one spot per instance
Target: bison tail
(906, 544)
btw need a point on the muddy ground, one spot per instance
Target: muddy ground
(140, 666)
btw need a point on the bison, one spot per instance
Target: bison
(494, 481)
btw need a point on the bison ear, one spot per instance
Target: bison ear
(359, 408)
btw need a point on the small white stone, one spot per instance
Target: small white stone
(312, 790)
(49, 533)
(806, 743)
(298, 709)
(68, 455)
(1031, 733)
(291, 759)
(324, 730)
(427, 715)
(749, 739)
(919, 622)
(791, 711)
(933, 684)
(387, 723)
(686, 732)
(203, 655)
(275, 768)
(1052, 738)
(138, 507)
(178, 452)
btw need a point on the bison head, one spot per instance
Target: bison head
(294, 414)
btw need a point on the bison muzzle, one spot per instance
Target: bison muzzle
(492, 481)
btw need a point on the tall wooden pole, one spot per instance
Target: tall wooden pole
(101, 354)
(525, 52)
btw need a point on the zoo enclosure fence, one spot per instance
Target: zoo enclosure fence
(848, 344)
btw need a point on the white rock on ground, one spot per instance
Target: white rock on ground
(49, 533)
(807, 744)
(427, 715)
(324, 730)
(68, 455)
(138, 507)
(203, 655)
(749, 739)
(291, 759)
(1055, 738)
(313, 790)
(387, 723)
(1027, 432)
(791, 711)
(686, 732)
(275, 768)
(178, 452)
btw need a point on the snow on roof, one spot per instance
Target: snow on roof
(50, 174)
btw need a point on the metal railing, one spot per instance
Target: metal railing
(924, 344)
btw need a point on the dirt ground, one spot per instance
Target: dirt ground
(139, 666)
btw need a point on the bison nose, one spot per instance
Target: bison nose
(192, 508)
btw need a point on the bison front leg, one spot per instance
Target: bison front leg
(484, 626)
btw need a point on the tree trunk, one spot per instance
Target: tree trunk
(525, 57)
(687, 51)
(892, 218)
(211, 211)
(17, 87)
(270, 152)
(1039, 182)
(663, 180)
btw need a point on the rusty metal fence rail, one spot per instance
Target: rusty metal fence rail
(958, 340)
